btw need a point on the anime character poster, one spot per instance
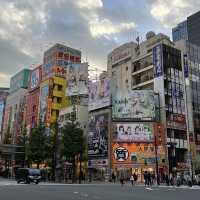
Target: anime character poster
(77, 77)
(135, 104)
(43, 102)
(98, 136)
(99, 94)
(133, 132)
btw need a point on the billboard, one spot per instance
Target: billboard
(158, 60)
(20, 80)
(134, 104)
(35, 78)
(77, 77)
(99, 94)
(98, 136)
(132, 132)
(2, 105)
(130, 154)
(44, 92)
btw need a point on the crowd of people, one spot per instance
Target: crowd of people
(169, 180)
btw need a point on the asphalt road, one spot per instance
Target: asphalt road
(93, 192)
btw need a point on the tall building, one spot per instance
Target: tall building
(191, 67)
(3, 95)
(32, 98)
(188, 30)
(151, 73)
(53, 85)
(15, 106)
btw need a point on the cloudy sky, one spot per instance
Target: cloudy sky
(29, 27)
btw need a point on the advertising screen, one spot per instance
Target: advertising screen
(77, 77)
(135, 104)
(98, 136)
(142, 153)
(99, 94)
(1, 112)
(43, 102)
(133, 132)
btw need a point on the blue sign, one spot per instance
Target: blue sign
(158, 61)
(186, 68)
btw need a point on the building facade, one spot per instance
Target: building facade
(3, 95)
(15, 107)
(32, 98)
(153, 70)
(188, 30)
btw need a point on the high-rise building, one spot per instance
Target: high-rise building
(151, 68)
(15, 106)
(188, 30)
(191, 67)
(54, 83)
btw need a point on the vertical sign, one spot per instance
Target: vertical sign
(157, 61)
(185, 64)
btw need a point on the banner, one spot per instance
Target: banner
(142, 153)
(134, 105)
(99, 94)
(98, 136)
(158, 60)
(133, 132)
(43, 102)
(77, 77)
(35, 78)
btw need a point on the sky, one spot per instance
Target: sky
(96, 27)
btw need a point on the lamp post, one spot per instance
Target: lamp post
(156, 156)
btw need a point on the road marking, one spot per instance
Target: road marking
(148, 188)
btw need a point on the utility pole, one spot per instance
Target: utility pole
(156, 156)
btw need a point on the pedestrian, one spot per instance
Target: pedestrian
(149, 179)
(113, 177)
(132, 180)
(122, 181)
(167, 179)
(145, 179)
(135, 177)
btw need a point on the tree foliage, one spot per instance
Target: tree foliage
(37, 146)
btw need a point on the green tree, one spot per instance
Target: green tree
(72, 144)
(37, 146)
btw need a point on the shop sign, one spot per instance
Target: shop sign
(175, 125)
(121, 154)
(157, 61)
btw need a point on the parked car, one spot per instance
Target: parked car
(28, 175)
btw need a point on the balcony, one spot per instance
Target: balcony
(57, 93)
(56, 106)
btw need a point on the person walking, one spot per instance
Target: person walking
(132, 180)
(135, 177)
(145, 178)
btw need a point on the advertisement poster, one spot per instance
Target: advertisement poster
(98, 136)
(77, 77)
(133, 132)
(35, 78)
(43, 102)
(99, 94)
(143, 153)
(1, 112)
(135, 105)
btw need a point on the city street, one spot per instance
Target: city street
(10, 190)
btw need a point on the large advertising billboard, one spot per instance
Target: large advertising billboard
(2, 104)
(99, 94)
(98, 136)
(132, 132)
(130, 154)
(44, 92)
(77, 77)
(134, 105)
(35, 78)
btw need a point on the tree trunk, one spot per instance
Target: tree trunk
(73, 169)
